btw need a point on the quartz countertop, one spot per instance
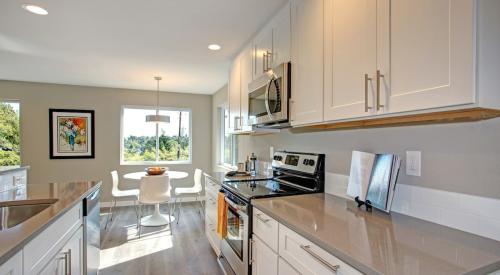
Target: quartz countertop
(378, 243)
(10, 169)
(67, 195)
(220, 177)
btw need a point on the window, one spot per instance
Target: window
(10, 147)
(144, 143)
(228, 155)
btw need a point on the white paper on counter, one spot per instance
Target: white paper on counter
(361, 170)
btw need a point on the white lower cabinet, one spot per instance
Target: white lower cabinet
(308, 258)
(43, 253)
(264, 259)
(69, 260)
(211, 192)
(14, 266)
(285, 268)
(276, 249)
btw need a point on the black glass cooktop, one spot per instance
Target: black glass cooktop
(261, 189)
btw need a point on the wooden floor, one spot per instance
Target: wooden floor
(186, 251)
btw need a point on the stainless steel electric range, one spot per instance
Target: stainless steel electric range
(293, 174)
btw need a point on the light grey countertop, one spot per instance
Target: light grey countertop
(377, 243)
(66, 195)
(220, 177)
(10, 169)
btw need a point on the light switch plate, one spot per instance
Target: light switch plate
(413, 163)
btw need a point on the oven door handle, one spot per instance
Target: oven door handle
(235, 206)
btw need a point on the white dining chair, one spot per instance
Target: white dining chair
(154, 190)
(117, 193)
(193, 191)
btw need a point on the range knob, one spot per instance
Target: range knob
(305, 162)
(311, 162)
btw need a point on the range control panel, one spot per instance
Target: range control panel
(301, 162)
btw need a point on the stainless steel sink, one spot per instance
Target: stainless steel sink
(17, 212)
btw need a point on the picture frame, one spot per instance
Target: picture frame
(71, 134)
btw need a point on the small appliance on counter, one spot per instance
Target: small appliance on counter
(293, 174)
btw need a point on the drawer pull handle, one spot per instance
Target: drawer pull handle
(307, 248)
(262, 219)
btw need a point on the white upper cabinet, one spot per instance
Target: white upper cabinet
(246, 68)
(350, 58)
(271, 45)
(307, 62)
(262, 51)
(281, 37)
(234, 95)
(428, 58)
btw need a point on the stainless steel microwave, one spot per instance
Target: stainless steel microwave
(268, 97)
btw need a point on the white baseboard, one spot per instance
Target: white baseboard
(120, 203)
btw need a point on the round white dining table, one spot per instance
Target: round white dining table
(157, 219)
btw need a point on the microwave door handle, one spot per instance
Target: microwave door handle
(266, 101)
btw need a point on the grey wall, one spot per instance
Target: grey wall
(463, 158)
(37, 98)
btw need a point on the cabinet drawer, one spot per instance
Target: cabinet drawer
(211, 185)
(211, 207)
(308, 258)
(285, 268)
(39, 251)
(211, 233)
(13, 266)
(266, 228)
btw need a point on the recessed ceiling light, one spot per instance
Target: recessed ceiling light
(35, 9)
(214, 47)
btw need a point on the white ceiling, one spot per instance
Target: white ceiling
(124, 43)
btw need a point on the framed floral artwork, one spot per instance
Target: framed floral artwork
(71, 134)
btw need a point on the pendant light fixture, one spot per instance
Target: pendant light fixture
(157, 118)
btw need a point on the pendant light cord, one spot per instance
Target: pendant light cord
(157, 96)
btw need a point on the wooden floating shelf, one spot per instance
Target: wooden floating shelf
(453, 116)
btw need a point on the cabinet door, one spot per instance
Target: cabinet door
(350, 58)
(431, 61)
(13, 266)
(264, 259)
(262, 51)
(308, 258)
(69, 260)
(234, 95)
(285, 268)
(246, 77)
(281, 37)
(307, 62)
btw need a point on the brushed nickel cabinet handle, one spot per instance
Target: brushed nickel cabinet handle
(264, 58)
(366, 92)
(379, 75)
(262, 219)
(269, 55)
(307, 248)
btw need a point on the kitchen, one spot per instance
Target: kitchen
(310, 85)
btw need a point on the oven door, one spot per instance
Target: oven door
(268, 97)
(235, 244)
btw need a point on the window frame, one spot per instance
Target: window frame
(157, 162)
(18, 101)
(222, 133)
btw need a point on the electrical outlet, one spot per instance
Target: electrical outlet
(413, 163)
